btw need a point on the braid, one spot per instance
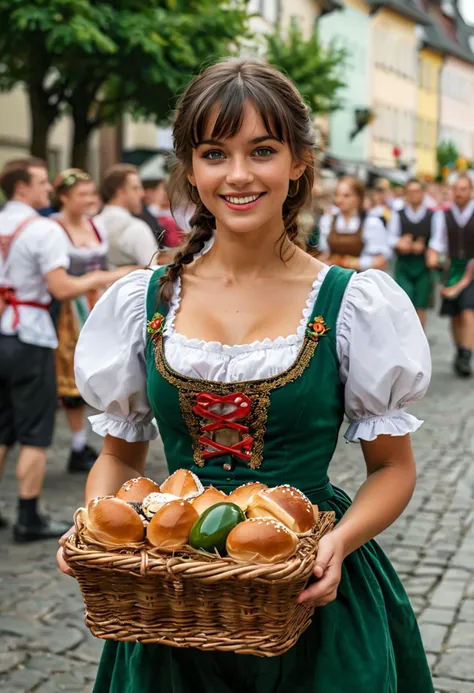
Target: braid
(201, 233)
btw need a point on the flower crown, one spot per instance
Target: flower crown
(70, 178)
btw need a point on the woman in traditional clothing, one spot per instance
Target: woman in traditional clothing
(243, 311)
(352, 238)
(74, 191)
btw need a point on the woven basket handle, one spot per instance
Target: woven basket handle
(80, 519)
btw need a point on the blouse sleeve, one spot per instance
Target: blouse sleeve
(110, 361)
(384, 357)
(375, 242)
(324, 231)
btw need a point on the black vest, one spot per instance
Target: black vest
(420, 230)
(460, 238)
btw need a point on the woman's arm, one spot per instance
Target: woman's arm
(118, 462)
(381, 499)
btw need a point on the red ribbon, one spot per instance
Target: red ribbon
(9, 297)
(241, 408)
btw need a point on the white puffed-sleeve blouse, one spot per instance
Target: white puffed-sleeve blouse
(383, 353)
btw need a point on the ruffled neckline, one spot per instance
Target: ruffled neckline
(234, 349)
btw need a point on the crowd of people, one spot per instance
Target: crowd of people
(61, 246)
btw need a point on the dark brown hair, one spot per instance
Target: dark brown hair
(229, 84)
(18, 171)
(414, 181)
(67, 180)
(114, 179)
(358, 189)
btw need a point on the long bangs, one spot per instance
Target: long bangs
(229, 100)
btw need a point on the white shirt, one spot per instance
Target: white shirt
(439, 237)
(383, 354)
(127, 236)
(40, 248)
(374, 236)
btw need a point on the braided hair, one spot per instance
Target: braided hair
(229, 84)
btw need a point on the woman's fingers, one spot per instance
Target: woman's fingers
(61, 563)
(323, 591)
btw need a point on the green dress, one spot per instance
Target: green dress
(367, 640)
(416, 279)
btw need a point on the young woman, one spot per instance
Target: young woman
(352, 238)
(75, 194)
(239, 304)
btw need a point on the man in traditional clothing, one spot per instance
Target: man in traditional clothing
(410, 231)
(33, 270)
(454, 237)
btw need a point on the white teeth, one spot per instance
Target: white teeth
(242, 200)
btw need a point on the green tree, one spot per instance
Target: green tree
(447, 154)
(98, 59)
(317, 70)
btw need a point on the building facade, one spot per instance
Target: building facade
(351, 28)
(430, 64)
(457, 106)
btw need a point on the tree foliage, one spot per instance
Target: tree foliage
(317, 70)
(447, 154)
(98, 59)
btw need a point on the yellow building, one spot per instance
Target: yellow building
(428, 110)
(394, 82)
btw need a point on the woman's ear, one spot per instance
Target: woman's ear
(297, 170)
(191, 178)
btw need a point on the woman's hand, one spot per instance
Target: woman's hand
(61, 563)
(419, 246)
(405, 244)
(327, 570)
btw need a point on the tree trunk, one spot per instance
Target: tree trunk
(42, 118)
(82, 129)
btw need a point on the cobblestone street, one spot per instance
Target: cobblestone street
(45, 647)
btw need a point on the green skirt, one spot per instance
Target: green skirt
(367, 641)
(416, 279)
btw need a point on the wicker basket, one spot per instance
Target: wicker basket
(193, 599)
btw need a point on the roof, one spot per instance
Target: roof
(406, 8)
(436, 37)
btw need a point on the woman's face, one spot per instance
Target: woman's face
(244, 180)
(79, 199)
(346, 199)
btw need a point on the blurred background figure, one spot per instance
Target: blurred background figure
(352, 238)
(130, 239)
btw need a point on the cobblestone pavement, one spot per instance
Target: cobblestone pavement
(45, 648)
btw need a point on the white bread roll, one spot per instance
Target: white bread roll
(152, 503)
(286, 504)
(170, 527)
(112, 521)
(244, 494)
(210, 497)
(136, 490)
(183, 483)
(261, 541)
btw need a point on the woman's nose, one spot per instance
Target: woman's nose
(239, 172)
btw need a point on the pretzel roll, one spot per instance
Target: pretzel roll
(244, 494)
(210, 497)
(136, 490)
(171, 525)
(154, 502)
(113, 521)
(261, 541)
(183, 483)
(285, 504)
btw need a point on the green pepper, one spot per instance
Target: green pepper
(210, 531)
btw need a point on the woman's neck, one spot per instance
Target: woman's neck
(73, 220)
(350, 215)
(237, 255)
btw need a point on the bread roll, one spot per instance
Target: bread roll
(170, 527)
(315, 513)
(183, 484)
(136, 490)
(154, 502)
(112, 521)
(210, 497)
(261, 541)
(244, 494)
(286, 504)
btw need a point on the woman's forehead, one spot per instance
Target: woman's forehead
(245, 124)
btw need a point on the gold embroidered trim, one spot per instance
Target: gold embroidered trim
(258, 392)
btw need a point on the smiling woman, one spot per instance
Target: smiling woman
(246, 315)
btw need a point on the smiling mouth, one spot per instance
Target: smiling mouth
(242, 199)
